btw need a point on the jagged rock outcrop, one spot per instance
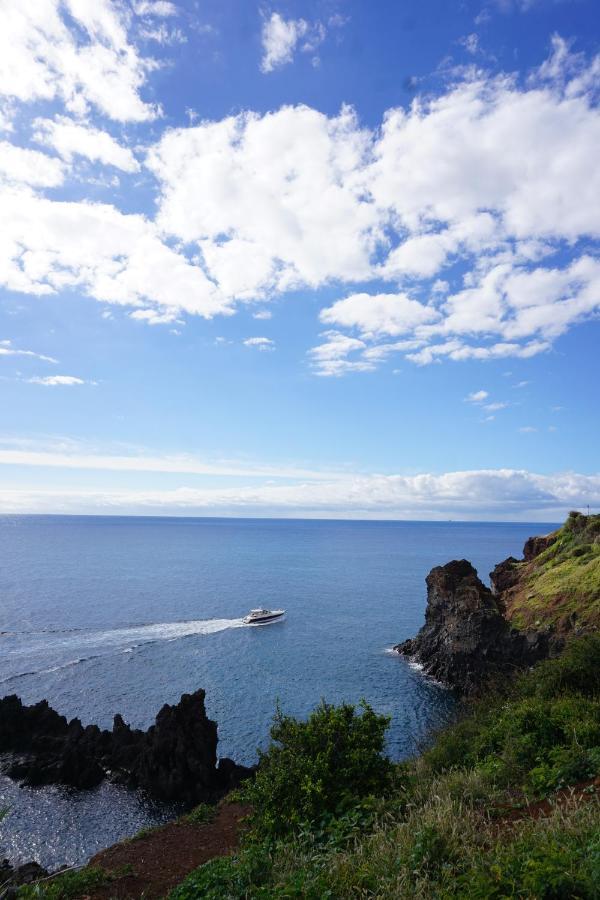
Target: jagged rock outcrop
(12, 878)
(536, 545)
(175, 760)
(466, 641)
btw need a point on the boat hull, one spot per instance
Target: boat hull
(263, 620)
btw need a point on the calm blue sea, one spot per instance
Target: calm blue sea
(115, 614)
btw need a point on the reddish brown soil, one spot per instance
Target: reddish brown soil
(577, 793)
(162, 858)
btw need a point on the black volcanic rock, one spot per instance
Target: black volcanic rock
(466, 642)
(536, 545)
(504, 576)
(14, 877)
(175, 760)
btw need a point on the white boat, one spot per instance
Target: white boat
(262, 616)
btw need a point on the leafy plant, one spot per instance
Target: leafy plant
(318, 769)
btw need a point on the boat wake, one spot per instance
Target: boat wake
(88, 645)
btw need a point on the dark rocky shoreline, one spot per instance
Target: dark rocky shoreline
(467, 642)
(175, 760)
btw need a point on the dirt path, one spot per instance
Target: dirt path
(583, 792)
(162, 858)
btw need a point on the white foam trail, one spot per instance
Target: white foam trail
(164, 631)
(114, 640)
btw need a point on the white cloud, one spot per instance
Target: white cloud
(261, 343)
(466, 225)
(67, 454)
(43, 58)
(153, 317)
(330, 357)
(471, 43)
(155, 8)
(20, 165)
(527, 429)
(377, 314)
(477, 397)
(56, 380)
(49, 246)
(275, 201)
(7, 349)
(282, 37)
(279, 40)
(480, 494)
(70, 139)
(494, 407)
(163, 35)
(262, 314)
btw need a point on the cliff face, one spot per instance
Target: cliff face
(466, 640)
(473, 635)
(175, 760)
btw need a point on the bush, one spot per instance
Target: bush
(576, 671)
(319, 769)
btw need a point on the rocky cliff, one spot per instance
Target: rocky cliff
(473, 635)
(174, 760)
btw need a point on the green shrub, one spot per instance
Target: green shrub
(577, 670)
(318, 769)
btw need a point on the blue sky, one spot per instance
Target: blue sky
(327, 258)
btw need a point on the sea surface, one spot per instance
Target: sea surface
(119, 614)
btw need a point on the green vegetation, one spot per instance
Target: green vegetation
(477, 815)
(561, 586)
(201, 814)
(67, 886)
(317, 770)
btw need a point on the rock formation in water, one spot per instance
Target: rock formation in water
(466, 640)
(175, 760)
(473, 635)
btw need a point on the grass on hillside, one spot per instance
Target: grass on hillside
(561, 586)
(454, 822)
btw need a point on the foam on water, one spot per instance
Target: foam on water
(117, 640)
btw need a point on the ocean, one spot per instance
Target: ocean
(101, 615)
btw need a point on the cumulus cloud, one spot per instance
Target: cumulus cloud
(49, 246)
(71, 139)
(92, 66)
(466, 227)
(379, 314)
(20, 165)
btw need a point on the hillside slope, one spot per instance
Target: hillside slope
(558, 583)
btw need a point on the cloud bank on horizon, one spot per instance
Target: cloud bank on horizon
(463, 226)
(294, 491)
